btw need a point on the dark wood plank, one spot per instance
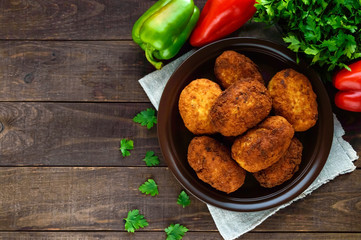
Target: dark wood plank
(89, 198)
(71, 19)
(335, 205)
(65, 19)
(92, 198)
(109, 236)
(72, 134)
(161, 235)
(77, 134)
(85, 19)
(72, 71)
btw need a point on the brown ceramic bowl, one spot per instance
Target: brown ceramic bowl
(174, 137)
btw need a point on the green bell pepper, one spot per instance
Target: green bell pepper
(163, 29)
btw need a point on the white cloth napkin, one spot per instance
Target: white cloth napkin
(233, 224)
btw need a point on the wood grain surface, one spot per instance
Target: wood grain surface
(72, 71)
(161, 235)
(73, 134)
(98, 198)
(71, 19)
(68, 92)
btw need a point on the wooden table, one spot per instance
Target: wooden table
(68, 93)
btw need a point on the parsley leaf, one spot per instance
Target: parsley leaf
(146, 118)
(183, 199)
(134, 221)
(175, 232)
(149, 187)
(350, 46)
(311, 51)
(126, 145)
(150, 159)
(330, 44)
(294, 42)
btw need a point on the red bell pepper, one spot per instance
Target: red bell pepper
(220, 18)
(349, 84)
(350, 100)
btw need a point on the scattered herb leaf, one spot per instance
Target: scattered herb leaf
(134, 221)
(183, 199)
(149, 187)
(125, 146)
(146, 118)
(150, 159)
(175, 232)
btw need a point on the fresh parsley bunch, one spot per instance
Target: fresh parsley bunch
(328, 31)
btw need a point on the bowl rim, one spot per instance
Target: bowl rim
(298, 185)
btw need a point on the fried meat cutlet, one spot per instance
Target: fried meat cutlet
(283, 169)
(240, 107)
(213, 164)
(232, 66)
(195, 102)
(294, 99)
(263, 145)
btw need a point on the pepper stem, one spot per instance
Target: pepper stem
(149, 55)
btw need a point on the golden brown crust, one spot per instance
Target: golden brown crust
(284, 168)
(294, 99)
(213, 164)
(240, 107)
(232, 66)
(194, 104)
(263, 145)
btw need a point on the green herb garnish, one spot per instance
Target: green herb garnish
(146, 118)
(150, 159)
(134, 221)
(329, 32)
(149, 187)
(175, 232)
(183, 199)
(125, 146)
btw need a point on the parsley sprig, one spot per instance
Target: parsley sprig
(175, 232)
(125, 146)
(329, 32)
(149, 187)
(183, 199)
(151, 159)
(134, 221)
(146, 118)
